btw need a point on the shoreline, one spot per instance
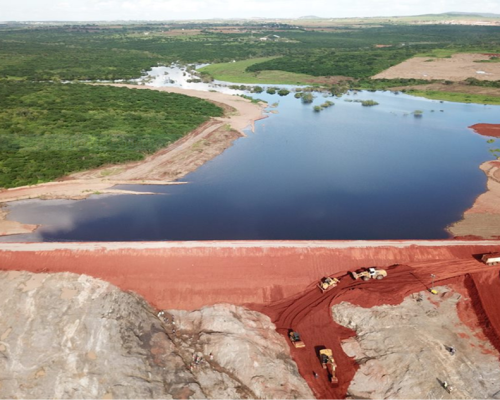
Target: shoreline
(164, 167)
(482, 220)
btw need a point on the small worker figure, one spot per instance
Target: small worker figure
(315, 375)
(452, 350)
(447, 387)
(211, 356)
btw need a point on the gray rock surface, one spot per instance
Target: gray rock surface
(73, 336)
(402, 350)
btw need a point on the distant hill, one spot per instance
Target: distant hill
(310, 17)
(462, 14)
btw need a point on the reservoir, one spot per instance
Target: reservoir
(347, 172)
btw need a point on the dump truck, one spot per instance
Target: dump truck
(327, 283)
(328, 363)
(369, 273)
(295, 339)
(491, 258)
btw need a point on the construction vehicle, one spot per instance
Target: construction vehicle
(491, 258)
(295, 339)
(369, 273)
(328, 363)
(327, 283)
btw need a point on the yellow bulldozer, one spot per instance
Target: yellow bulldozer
(369, 273)
(327, 283)
(328, 363)
(295, 339)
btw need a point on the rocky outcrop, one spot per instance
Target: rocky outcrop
(73, 336)
(244, 347)
(403, 351)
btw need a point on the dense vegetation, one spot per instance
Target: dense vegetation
(348, 63)
(87, 52)
(48, 130)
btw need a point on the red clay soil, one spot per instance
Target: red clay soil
(309, 313)
(491, 130)
(281, 281)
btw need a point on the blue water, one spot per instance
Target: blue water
(348, 172)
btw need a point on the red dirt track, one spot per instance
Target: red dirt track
(279, 279)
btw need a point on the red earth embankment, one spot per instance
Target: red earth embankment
(492, 130)
(189, 275)
(279, 279)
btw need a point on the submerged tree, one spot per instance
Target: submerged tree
(307, 98)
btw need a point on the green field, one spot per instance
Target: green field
(456, 97)
(48, 130)
(236, 72)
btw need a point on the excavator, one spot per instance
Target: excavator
(369, 273)
(327, 283)
(328, 363)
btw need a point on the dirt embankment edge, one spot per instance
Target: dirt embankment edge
(482, 220)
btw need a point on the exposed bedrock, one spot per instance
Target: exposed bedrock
(404, 350)
(72, 336)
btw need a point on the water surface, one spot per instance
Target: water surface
(347, 172)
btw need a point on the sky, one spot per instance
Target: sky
(108, 10)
